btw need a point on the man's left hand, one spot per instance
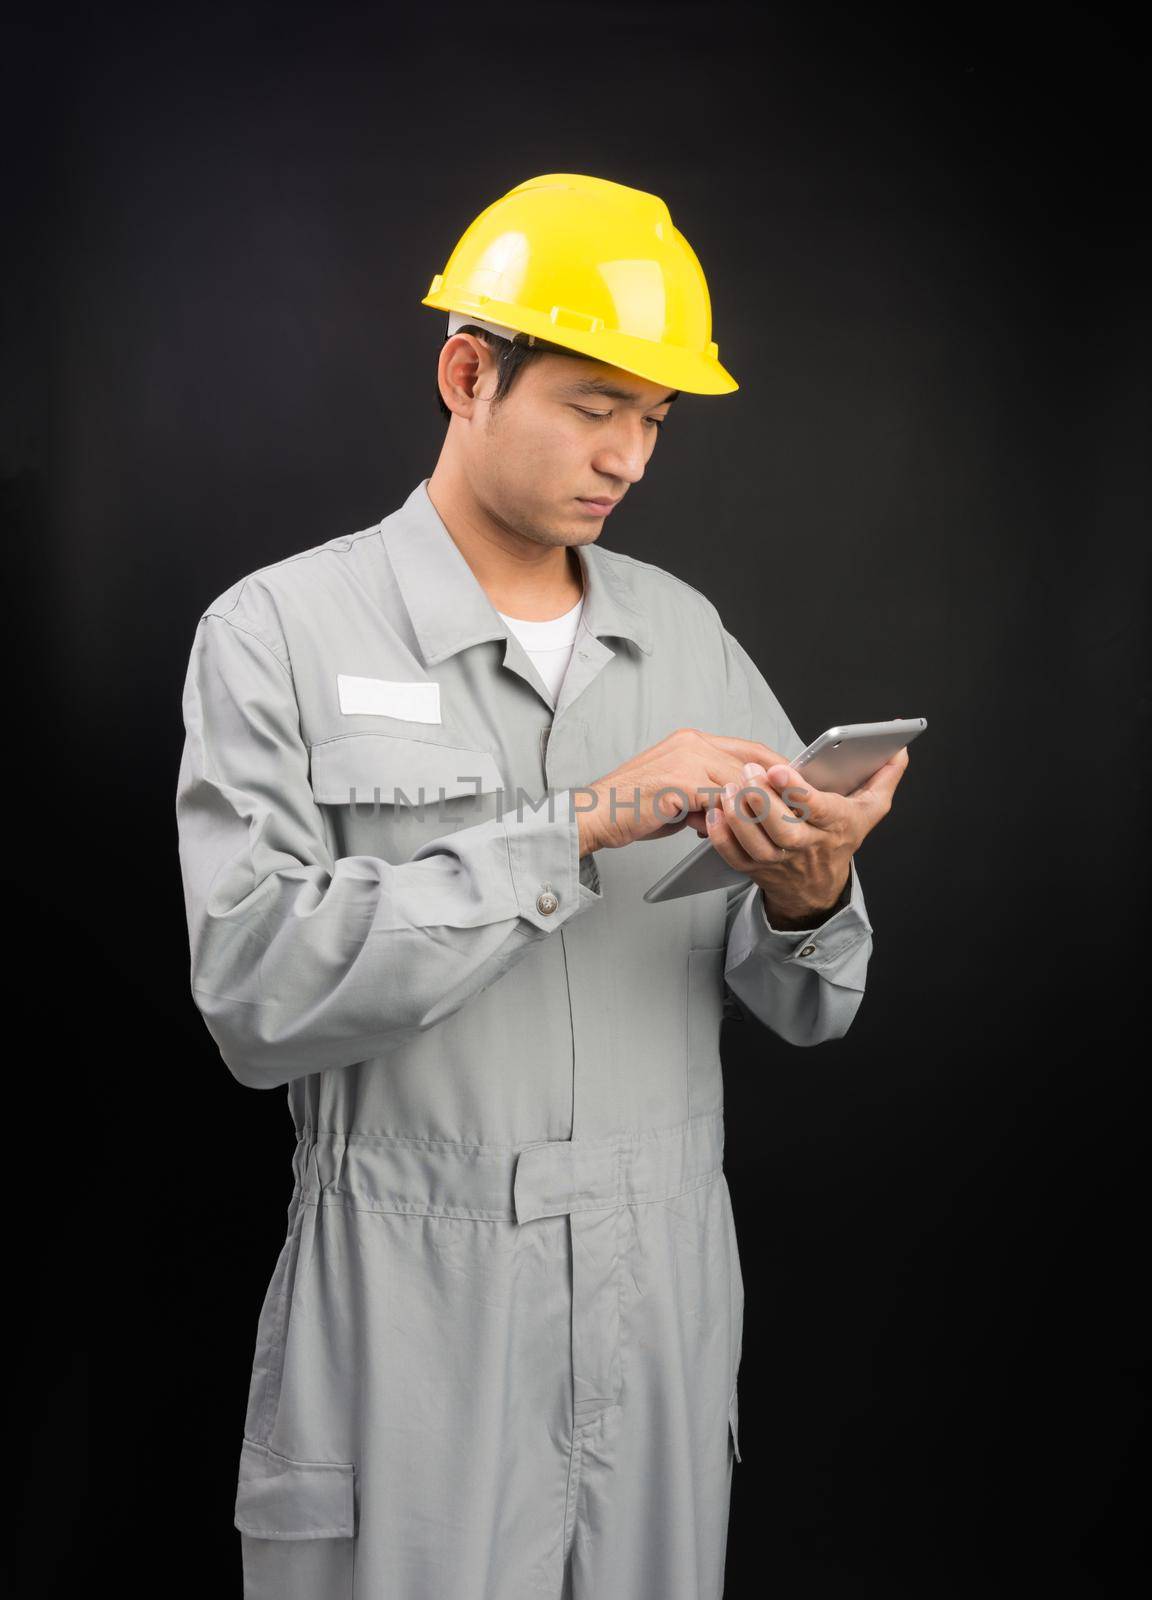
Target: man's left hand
(797, 842)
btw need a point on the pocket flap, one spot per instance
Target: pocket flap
(368, 768)
(281, 1499)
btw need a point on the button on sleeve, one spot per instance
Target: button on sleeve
(544, 849)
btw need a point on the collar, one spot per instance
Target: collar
(449, 608)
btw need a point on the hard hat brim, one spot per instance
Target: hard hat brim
(691, 371)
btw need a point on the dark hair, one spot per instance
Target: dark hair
(512, 357)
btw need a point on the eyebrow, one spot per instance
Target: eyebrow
(612, 391)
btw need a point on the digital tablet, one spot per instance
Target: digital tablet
(840, 760)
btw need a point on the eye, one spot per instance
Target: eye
(602, 416)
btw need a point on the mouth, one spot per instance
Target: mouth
(601, 507)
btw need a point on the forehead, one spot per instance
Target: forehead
(608, 383)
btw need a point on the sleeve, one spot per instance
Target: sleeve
(299, 962)
(806, 986)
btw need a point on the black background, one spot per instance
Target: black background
(922, 235)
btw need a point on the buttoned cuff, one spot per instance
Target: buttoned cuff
(823, 947)
(550, 881)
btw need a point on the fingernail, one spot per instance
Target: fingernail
(752, 769)
(713, 816)
(730, 789)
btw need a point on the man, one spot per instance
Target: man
(498, 1354)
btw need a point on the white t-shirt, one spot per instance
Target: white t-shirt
(549, 644)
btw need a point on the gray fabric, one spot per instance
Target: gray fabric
(498, 1353)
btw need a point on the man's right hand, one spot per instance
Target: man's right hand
(695, 764)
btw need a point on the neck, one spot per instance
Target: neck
(524, 579)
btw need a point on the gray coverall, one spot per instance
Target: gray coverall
(497, 1356)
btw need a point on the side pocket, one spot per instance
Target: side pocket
(271, 1329)
(297, 1524)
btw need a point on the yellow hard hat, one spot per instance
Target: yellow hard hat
(595, 267)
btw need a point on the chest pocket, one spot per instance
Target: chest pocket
(385, 795)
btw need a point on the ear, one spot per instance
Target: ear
(461, 370)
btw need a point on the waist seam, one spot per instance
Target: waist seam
(502, 1152)
(332, 1196)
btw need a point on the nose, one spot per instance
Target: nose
(622, 459)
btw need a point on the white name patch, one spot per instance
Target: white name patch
(378, 697)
